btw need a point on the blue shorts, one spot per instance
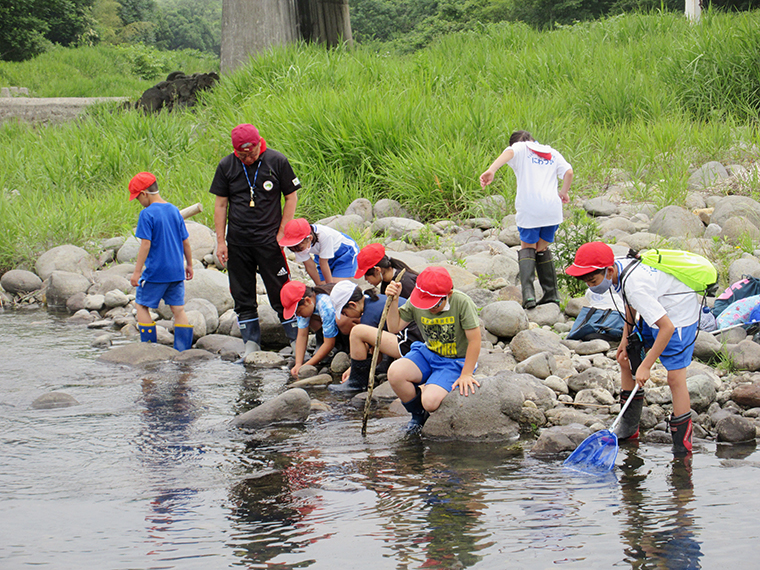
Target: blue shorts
(680, 349)
(150, 294)
(436, 369)
(344, 263)
(532, 235)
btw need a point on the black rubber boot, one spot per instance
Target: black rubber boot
(628, 428)
(680, 430)
(419, 414)
(358, 380)
(547, 277)
(527, 261)
(290, 328)
(250, 331)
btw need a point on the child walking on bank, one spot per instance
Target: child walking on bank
(539, 209)
(667, 328)
(160, 271)
(448, 321)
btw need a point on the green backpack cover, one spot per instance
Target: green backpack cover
(689, 268)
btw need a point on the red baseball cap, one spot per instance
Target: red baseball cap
(295, 232)
(139, 183)
(290, 295)
(368, 258)
(433, 284)
(591, 257)
(245, 136)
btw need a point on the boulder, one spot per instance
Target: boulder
(590, 379)
(746, 355)
(360, 207)
(128, 251)
(747, 395)
(674, 221)
(387, 208)
(54, 400)
(526, 343)
(736, 206)
(178, 90)
(505, 319)
(346, 224)
(201, 238)
(218, 343)
(600, 206)
(702, 392)
(539, 365)
(707, 175)
(395, 227)
(64, 284)
(291, 407)
(208, 310)
(211, 285)
(735, 429)
(19, 281)
(68, 258)
(139, 354)
(559, 439)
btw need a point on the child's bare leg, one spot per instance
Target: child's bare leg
(432, 397)
(180, 317)
(364, 336)
(677, 383)
(143, 314)
(404, 377)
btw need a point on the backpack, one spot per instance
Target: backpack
(689, 268)
(593, 322)
(747, 286)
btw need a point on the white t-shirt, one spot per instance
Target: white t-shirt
(654, 293)
(537, 168)
(328, 243)
(608, 300)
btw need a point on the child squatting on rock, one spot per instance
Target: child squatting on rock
(448, 321)
(163, 244)
(334, 253)
(314, 309)
(668, 315)
(539, 209)
(378, 269)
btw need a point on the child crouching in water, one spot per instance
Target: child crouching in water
(448, 321)
(334, 253)
(314, 310)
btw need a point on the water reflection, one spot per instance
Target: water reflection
(660, 531)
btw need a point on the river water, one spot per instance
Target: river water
(147, 473)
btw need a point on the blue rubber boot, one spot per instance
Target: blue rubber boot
(183, 337)
(147, 332)
(419, 414)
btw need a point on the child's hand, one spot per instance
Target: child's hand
(466, 383)
(188, 272)
(135, 279)
(345, 376)
(295, 369)
(642, 375)
(565, 197)
(393, 289)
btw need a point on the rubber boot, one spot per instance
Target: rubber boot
(291, 330)
(147, 332)
(251, 333)
(527, 260)
(183, 337)
(358, 380)
(680, 430)
(419, 414)
(628, 428)
(547, 277)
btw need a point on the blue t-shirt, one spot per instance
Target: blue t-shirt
(373, 310)
(163, 225)
(326, 311)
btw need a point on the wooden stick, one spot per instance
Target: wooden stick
(191, 210)
(375, 356)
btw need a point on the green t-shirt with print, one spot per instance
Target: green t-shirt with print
(444, 332)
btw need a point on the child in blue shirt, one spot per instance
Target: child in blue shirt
(160, 270)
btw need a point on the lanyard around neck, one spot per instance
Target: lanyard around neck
(255, 176)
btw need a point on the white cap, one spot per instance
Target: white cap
(340, 295)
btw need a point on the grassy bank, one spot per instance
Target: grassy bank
(649, 94)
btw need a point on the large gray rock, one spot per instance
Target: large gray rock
(492, 362)
(559, 439)
(529, 342)
(105, 281)
(128, 251)
(600, 206)
(746, 355)
(20, 281)
(395, 227)
(360, 207)
(489, 246)
(211, 285)
(208, 310)
(139, 354)
(346, 224)
(115, 298)
(674, 221)
(731, 206)
(590, 379)
(540, 365)
(69, 258)
(387, 208)
(291, 407)
(706, 346)
(494, 206)
(202, 239)
(707, 175)
(504, 319)
(218, 343)
(747, 395)
(702, 392)
(54, 400)
(736, 229)
(64, 284)
(490, 266)
(197, 320)
(746, 265)
(546, 314)
(735, 429)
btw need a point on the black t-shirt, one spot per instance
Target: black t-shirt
(275, 178)
(407, 283)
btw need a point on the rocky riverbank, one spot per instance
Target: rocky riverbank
(533, 380)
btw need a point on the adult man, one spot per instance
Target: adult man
(248, 185)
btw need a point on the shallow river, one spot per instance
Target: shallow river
(146, 473)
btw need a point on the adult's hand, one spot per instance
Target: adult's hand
(221, 253)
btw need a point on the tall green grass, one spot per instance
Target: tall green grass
(419, 128)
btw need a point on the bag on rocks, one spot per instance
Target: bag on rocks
(738, 312)
(594, 323)
(747, 286)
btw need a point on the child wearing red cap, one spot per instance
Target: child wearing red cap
(539, 209)
(334, 253)
(314, 310)
(668, 312)
(448, 321)
(163, 244)
(378, 269)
